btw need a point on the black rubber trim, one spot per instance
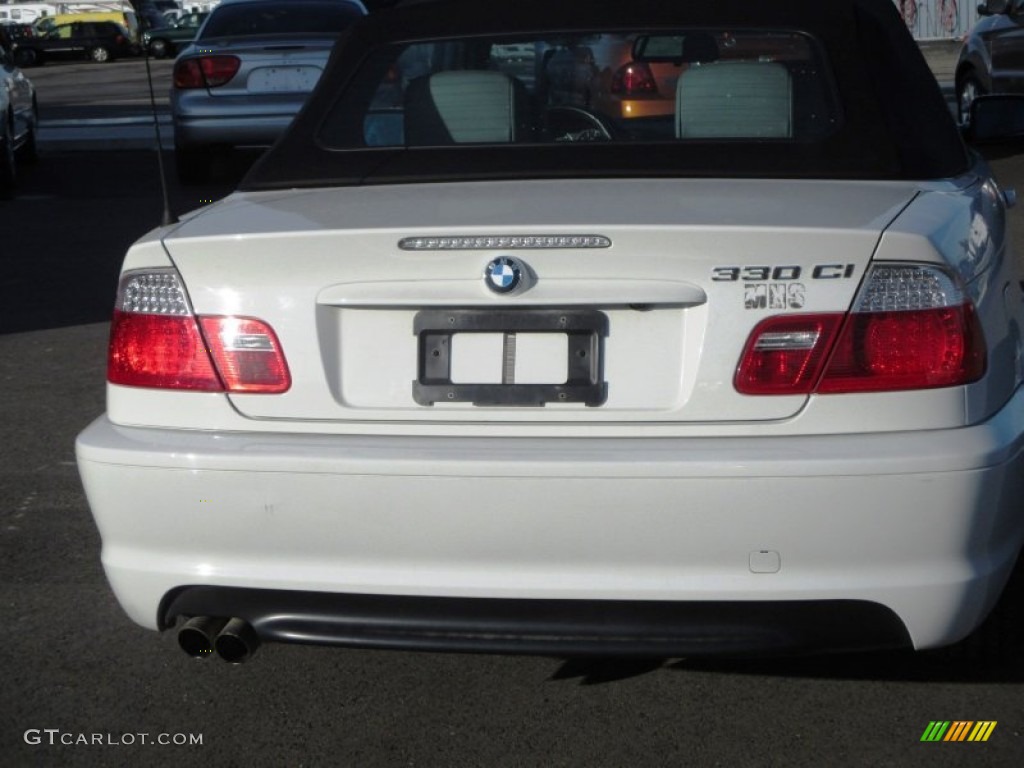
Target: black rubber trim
(584, 330)
(548, 627)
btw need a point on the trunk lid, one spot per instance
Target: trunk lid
(665, 300)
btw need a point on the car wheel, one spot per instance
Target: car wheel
(100, 54)
(8, 166)
(159, 49)
(193, 165)
(26, 57)
(967, 91)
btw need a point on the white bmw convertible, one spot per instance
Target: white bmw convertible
(468, 363)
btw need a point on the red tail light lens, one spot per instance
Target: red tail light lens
(247, 354)
(911, 328)
(205, 71)
(907, 350)
(784, 355)
(633, 80)
(159, 351)
(188, 74)
(156, 341)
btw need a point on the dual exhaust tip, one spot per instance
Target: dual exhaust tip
(234, 640)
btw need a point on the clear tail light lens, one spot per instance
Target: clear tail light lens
(247, 354)
(156, 341)
(205, 71)
(911, 328)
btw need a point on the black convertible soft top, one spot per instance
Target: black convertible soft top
(896, 123)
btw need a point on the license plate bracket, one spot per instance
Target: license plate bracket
(584, 329)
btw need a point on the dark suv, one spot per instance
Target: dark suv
(97, 40)
(992, 57)
(165, 40)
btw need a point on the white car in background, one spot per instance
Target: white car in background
(466, 364)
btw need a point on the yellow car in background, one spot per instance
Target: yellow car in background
(126, 19)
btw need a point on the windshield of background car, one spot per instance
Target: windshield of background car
(295, 17)
(629, 86)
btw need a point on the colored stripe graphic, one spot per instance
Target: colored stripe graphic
(935, 731)
(982, 730)
(958, 730)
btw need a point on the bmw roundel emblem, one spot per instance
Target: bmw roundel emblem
(503, 274)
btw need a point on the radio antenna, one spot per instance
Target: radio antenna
(167, 218)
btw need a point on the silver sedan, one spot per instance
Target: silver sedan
(247, 74)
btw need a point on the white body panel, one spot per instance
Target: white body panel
(924, 523)
(331, 261)
(321, 269)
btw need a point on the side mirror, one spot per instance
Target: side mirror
(996, 119)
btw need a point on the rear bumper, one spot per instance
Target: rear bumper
(927, 525)
(238, 131)
(201, 120)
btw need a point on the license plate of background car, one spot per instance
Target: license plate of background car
(282, 79)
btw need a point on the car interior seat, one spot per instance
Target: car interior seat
(464, 107)
(734, 99)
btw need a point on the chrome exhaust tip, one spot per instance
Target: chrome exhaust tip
(197, 635)
(237, 641)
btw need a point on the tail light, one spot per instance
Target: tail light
(911, 327)
(119, 39)
(785, 354)
(634, 79)
(246, 354)
(205, 71)
(156, 341)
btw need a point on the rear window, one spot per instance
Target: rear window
(455, 91)
(290, 18)
(688, 85)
